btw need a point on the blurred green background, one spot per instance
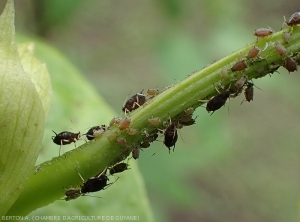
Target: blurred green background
(236, 166)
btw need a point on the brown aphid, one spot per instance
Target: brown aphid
(154, 121)
(112, 135)
(134, 102)
(118, 168)
(152, 92)
(280, 49)
(131, 131)
(241, 82)
(224, 73)
(290, 64)
(239, 66)
(136, 152)
(253, 52)
(286, 36)
(294, 19)
(171, 136)
(263, 32)
(121, 140)
(249, 92)
(217, 102)
(115, 121)
(125, 123)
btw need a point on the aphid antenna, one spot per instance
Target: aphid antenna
(86, 195)
(75, 127)
(79, 175)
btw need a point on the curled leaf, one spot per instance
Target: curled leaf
(22, 116)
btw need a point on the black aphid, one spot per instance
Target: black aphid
(134, 102)
(65, 138)
(217, 102)
(118, 168)
(171, 136)
(95, 131)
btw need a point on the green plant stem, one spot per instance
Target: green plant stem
(93, 157)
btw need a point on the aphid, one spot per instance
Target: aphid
(294, 19)
(241, 82)
(136, 152)
(95, 184)
(118, 168)
(253, 52)
(134, 102)
(152, 92)
(121, 140)
(170, 136)
(65, 138)
(124, 124)
(131, 131)
(154, 121)
(217, 102)
(239, 66)
(112, 135)
(290, 64)
(249, 91)
(95, 131)
(115, 121)
(263, 32)
(189, 111)
(224, 73)
(286, 36)
(72, 194)
(280, 49)
(145, 144)
(186, 121)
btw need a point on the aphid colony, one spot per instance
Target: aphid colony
(169, 128)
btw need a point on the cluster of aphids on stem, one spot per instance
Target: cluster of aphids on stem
(170, 126)
(240, 84)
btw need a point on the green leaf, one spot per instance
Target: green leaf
(22, 116)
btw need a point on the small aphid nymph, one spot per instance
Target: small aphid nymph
(286, 36)
(121, 140)
(72, 193)
(131, 131)
(280, 49)
(239, 66)
(125, 123)
(112, 135)
(152, 92)
(154, 121)
(241, 82)
(115, 121)
(136, 152)
(224, 73)
(263, 32)
(253, 52)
